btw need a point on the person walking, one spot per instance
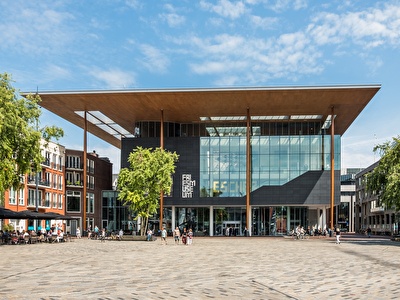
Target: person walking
(184, 236)
(337, 235)
(177, 235)
(149, 234)
(190, 237)
(164, 236)
(78, 233)
(369, 232)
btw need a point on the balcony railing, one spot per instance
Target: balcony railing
(41, 182)
(74, 166)
(377, 209)
(76, 183)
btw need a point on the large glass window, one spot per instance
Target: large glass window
(276, 160)
(73, 201)
(223, 166)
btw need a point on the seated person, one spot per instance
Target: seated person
(6, 237)
(41, 238)
(60, 237)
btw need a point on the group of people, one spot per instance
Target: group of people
(98, 234)
(185, 237)
(31, 236)
(16, 237)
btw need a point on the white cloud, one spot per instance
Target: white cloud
(370, 28)
(256, 60)
(35, 30)
(173, 20)
(153, 59)
(135, 4)
(281, 5)
(53, 72)
(264, 23)
(225, 8)
(114, 78)
(214, 67)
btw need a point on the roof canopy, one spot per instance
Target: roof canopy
(112, 114)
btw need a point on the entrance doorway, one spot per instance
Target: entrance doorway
(231, 228)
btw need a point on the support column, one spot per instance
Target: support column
(248, 171)
(162, 147)
(173, 222)
(84, 225)
(211, 229)
(332, 167)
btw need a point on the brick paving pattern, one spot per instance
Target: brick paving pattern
(211, 268)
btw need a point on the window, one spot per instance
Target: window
(54, 161)
(21, 197)
(47, 159)
(73, 178)
(90, 182)
(90, 165)
(12, 196)
(60, 182)
(60, 202)
(73, 201)
(54, 181)
(74, 162)
(32, 197)
(90, 203)
(60, 163)
(54, 200)
(47, 200)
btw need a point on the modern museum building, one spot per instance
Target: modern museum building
(261, 159)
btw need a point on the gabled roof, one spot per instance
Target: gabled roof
(122, 108)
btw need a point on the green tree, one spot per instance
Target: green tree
(19, 135)
(385, 178)
(140, 185)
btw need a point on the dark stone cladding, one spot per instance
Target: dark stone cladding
(311, 188)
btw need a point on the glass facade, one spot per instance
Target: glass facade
(280, 152)
(275, 160)
(115, 214)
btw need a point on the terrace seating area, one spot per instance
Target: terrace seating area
(32, 237)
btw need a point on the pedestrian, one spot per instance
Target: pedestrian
(190, 237)
(337, 235)
(184, 236)
(120, 234)
(177, 235)
(149, 234)
(164, 236)
(369, 232)
(78, 233)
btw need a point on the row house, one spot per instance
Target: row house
(59, 188)
(43, 191)
(370, 212)
(98, 178)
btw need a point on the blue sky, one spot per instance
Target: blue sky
(114, 44)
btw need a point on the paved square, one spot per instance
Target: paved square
(211, 268)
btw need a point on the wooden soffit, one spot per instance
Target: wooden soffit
(125, 107)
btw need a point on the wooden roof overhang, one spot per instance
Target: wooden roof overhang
(125, 107)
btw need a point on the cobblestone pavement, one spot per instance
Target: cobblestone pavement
(211, 268)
